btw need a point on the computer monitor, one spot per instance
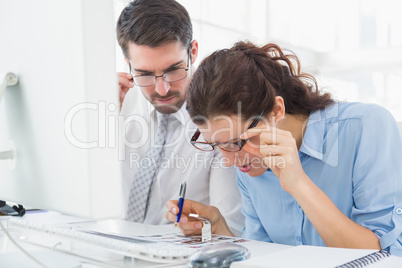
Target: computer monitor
(61, 117)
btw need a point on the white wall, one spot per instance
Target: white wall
(354, 47)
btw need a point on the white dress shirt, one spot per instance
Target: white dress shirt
(208, 180)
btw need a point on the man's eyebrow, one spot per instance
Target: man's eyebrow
(174, 65)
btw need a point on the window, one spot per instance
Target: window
(353, 47)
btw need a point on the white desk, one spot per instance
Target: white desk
(262, 254)
(11, 256)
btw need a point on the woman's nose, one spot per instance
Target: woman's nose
(228, 157)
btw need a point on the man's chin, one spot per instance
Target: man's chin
(168, 108)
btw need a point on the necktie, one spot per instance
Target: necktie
(143, 180)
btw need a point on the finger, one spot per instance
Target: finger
(274, 139)
(122, 95)
(276, 150)
(124, 90)
(270, 151)
(183, 219)
(275, 162)
(125, 83)
(190, 228)
(252, 132)
(171, 205)
(186, 228)
(170, 216)
(189, 232)
(125, 75)
(273, 129)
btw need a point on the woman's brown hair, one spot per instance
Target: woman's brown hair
(249, 78)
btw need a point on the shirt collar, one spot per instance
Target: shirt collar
(313, 143)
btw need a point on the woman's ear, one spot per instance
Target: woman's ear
(279, 109)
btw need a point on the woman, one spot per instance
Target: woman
(311, 171)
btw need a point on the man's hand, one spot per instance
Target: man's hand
(125, 83)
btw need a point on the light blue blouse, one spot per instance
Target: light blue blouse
(352, 152)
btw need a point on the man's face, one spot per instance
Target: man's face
(166, 97)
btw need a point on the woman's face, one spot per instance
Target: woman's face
(229, 128)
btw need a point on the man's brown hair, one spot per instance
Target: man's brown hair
(153, 23)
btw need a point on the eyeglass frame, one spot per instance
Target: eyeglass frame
(240, 142)
(157, 76)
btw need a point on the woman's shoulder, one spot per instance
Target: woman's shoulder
(363, 119)
(358, 110)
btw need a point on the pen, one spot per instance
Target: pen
(182, 193)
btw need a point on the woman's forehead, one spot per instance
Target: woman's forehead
(222, 128)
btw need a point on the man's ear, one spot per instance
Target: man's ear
(194, 51)
(126, 60)
(279, 108)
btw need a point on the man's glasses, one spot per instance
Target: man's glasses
(230, 146)
(169, 76)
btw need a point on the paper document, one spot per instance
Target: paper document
(314, 257)
(148, 234)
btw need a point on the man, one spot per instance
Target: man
(156, 40)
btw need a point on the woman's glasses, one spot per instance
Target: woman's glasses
(230, 146)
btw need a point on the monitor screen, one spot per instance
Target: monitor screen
(60, 119)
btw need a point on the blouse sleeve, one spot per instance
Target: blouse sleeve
(377, 179)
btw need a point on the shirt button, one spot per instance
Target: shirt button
(399, 211)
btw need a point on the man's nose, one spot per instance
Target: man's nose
(162, 87)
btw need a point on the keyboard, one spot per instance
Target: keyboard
(69, 238)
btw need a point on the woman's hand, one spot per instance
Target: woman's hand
(280, 153)
(191, 226)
